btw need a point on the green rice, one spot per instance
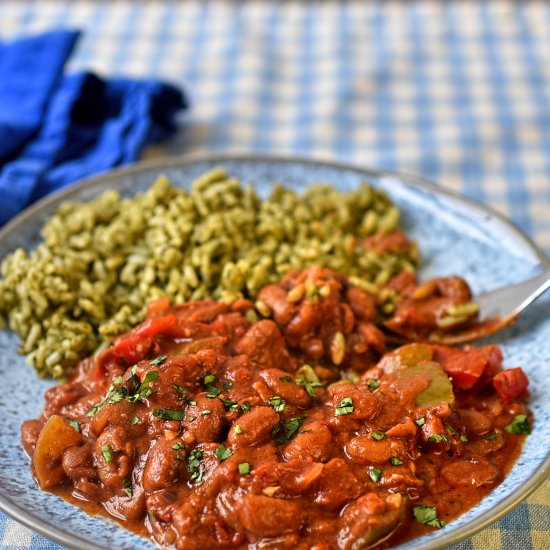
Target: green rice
(101, 262)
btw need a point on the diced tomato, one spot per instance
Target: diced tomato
(510, 384)
(467, 368)
(494, 364)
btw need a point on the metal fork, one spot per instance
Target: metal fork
(500, 308)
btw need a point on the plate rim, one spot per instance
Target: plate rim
(13, 510)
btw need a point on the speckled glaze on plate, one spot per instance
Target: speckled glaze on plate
(455, 235)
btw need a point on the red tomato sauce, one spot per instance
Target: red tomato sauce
(206, 428)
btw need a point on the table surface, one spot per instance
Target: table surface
(458, 92)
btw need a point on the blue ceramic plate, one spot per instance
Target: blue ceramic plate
(456, 236)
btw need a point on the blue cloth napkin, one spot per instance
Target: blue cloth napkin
(56, 129)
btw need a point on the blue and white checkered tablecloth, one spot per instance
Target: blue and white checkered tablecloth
(458, 92)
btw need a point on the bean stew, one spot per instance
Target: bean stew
(287, 423)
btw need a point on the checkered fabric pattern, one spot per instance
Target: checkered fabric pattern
(458, 92)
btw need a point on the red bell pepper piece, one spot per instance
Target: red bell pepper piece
(510, 384)
(167, 325)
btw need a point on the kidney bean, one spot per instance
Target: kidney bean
(313, 441)
(278, 515)
(363, 449)
(163, 465)
(30, 430)
(206, 419)
(114, 469)
(291, 392)
(131, 509)
(365, 403)
(265, 345)
(254, 427)
(78, 462)
(276, 298)
(473, 472)
(474, 422)
(362, 303)
(370, 518)
(336, 484)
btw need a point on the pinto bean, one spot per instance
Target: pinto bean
(265, 345)
(131, 509)
(254, 427)
(288, 390)
(336, 485)
(206, 419)
(30, 430)
(113, 470)
(362, 303)
(163, 465)
(276, 298)
(370, 518)
(474, 472)
(365, 403)
(277, 515)
(363, 449)
(314, 442)
(78, 462)
(474, 422)
(60, 396)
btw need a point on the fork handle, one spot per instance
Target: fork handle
(514, 299)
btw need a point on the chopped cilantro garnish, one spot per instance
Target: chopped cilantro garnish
(229, 404)
(428, 516)
(378, 436)
(285, 378)
(464, 438)
(246, 406)
(227, 385)
(159, 360)
(520, 425)
(206, 412)
(375, 474)
(127, 487)
(195, 467)
(309, 386)
(490, 437)
(244, 468)
(285, 430)
(278, 403)
(178, 446)
(181, 391)
(395, 461)
(420, 421)
(75, 424)
(450, 429)
(373, 383)
(209, 379)
(438, 438)
(213, 392)
(106, 452)
(168, 414)
(345, 407)
(134, 421)
(223, 453)
(110, 391)
(238, 429)
(193, 403)
(144, 389)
